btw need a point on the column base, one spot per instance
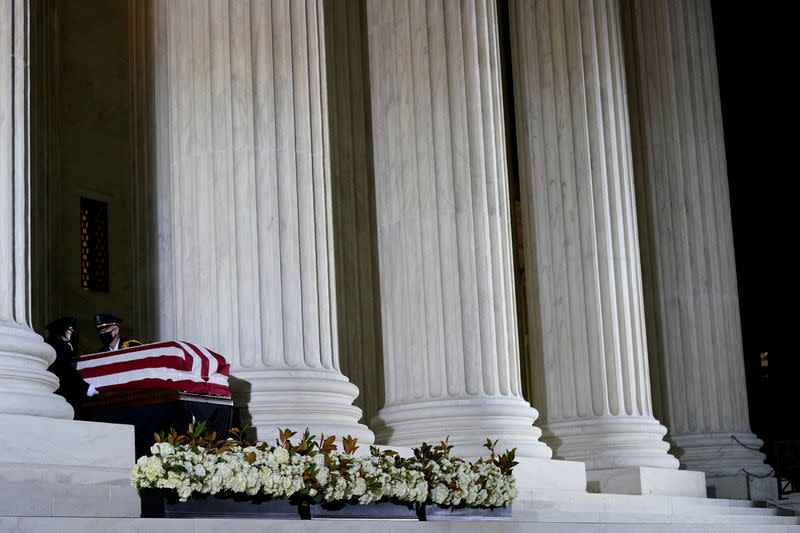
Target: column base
(320, 401)
(721, 454)
(646, 481)
(742, 487)
(51, 467)
(467, 422)
(26, 387)
(611, 442)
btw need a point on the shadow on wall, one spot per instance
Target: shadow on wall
(241, 391)
(353, 201)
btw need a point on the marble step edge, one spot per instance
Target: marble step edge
(67, 500)
(628, 499)
(645, 506)
(591, 517)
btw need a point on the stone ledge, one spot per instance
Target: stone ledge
(739, 487)
(39, 441)
(36, 498)
(55, 467)
(549, 474)
(646, 481)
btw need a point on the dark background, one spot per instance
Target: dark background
(756, 60)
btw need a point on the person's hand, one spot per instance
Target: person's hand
(91, 391)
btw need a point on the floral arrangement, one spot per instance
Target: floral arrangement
(315, 471)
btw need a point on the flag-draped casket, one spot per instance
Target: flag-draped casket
(174, 365)
(155, 387)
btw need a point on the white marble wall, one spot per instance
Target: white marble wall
(693, 325)
(244, 214)
(451, 357)
(26, 388)
(589, 369)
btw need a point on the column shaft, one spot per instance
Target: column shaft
(589, 371)
(26, 387)
(695, 340)
(451, 356)
(245, 217)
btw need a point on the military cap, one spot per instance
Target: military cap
(102, 320)
(60, 325)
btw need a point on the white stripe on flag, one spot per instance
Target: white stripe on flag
(128, 357)
(164, 374)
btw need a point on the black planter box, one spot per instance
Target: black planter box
(158, 503)
(432, 513)
(376, 510)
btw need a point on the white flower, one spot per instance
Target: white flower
(281, 455)
(439, 494)
(360, 486)
(162, 448)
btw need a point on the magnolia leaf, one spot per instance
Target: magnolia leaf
(284, 435)
(350, 444)
(250, 457)
(327, 445)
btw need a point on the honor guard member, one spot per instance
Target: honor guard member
(63, 337)
(108, 329)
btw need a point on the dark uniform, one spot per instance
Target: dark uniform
(103, 321)
(70, 386)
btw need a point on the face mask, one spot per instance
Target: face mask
(106, 337)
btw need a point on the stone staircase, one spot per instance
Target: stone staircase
(652, 513)
(540, 511)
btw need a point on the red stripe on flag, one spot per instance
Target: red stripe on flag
(203, 360)
(164, 361)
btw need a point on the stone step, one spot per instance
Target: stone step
(735, 519)
(676, 502)
(648, 504)
(650, 518)
(38, 498)
(129, 525)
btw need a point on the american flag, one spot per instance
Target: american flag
(164, 365)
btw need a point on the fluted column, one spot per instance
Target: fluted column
(695, 339)
(589, 370)
(26, 388)
(245, 234)
(451, 359)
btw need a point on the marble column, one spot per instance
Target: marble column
(589, 369)
(692, 306)
(26, 387)
(44, 454)
(244, 205)
(451, 356)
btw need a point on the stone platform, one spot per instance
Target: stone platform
(536, 511)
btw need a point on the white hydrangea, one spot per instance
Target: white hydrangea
(274, 472)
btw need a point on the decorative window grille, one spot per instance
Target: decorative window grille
(94, 245)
